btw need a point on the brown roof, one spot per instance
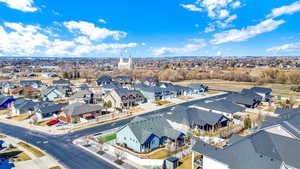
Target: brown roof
(24, 90)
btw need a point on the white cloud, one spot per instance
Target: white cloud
(191, 7)
(93, 32)
(223, 13)
(22, 5)
(214, 7)
(187, 49)
(236, 35)
(236, 4)
(211, 27)
(102, 21)
(289, 9)
(18, 39)
(83, 40)
(290, 47)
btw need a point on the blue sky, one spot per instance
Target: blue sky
(149, 28)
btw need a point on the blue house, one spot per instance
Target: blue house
(5, 101)
(144, 134)
(103, 80)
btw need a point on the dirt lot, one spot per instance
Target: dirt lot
(278, 89)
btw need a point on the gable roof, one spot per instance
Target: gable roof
(75, 109)
(261, 150)
(223, 106)
(3, 99)
(244, 98)
(191, 116)
(30, 82)
(104, 78)
(144, 127)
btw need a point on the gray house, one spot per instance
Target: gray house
(144, 134)
(53, 93)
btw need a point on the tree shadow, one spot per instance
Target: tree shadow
(8, 155)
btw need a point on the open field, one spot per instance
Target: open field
(278, 89)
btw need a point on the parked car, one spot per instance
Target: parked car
(52, 122)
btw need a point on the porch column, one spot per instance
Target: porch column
(193, 158)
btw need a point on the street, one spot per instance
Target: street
(62, 148)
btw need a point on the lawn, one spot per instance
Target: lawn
(42, 123)
(162, 102)
(278, 89)
(15, 154)
(2, 112)
(56, 167)
(34, 151)
(107, 138)
(186, 162)
(164, 153)
(20, 117)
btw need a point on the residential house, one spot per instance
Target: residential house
(150, 81)
(32, 83)
(198, 88)
(46, 110)
(27, 91)
(110, 86)
(223, 107)
(80, 112)
(5, 101)
(263, 150)
(83, 96)
(124, 98)
(61, 82)
(103, 80)
(7, 86)
(23, 106)
(265, 93)
(47, 74)
(154, 93)
(186, 119)
(144, 134)
(124, 80)
(249, 99)
(53, 93)
(176, 90)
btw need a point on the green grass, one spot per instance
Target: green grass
(107, 138)
(33, 150)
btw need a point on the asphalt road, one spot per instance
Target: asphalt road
(68, 154)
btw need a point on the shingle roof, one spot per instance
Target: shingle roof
(143, 127)
(30, 82)
(261, 150)
(61, 81)
(3, 99)
(261, 89)
(223, 106)
(80, 108)
(191, 116)
(244, 98)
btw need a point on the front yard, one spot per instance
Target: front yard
(164, 153)
(162, 102)
(107, 138)
(33, 150)
(20, 117)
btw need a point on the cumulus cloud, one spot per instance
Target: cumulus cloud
(191, 7)
(289, 9)
(187, 49)
(237, 35)
(22, 5)
(290, 47)
(93, 32)
(18, 39)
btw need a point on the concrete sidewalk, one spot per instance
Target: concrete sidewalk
(44, 162)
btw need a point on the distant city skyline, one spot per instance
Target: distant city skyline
(52, 28)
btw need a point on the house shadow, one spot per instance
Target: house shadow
(9, 155)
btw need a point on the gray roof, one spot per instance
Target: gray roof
(24, 104)
(290, 121)
(75, 109)
(125, 92)
(61, 81)
(144, 127)
(30, 82)
(82, 94)
(261, 90)
(223, 106)
(61, 89)
(244, 98)
(194, 116)
(3, 98)
(48, 107)
(261, 150)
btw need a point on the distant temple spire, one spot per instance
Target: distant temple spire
(125, 65)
